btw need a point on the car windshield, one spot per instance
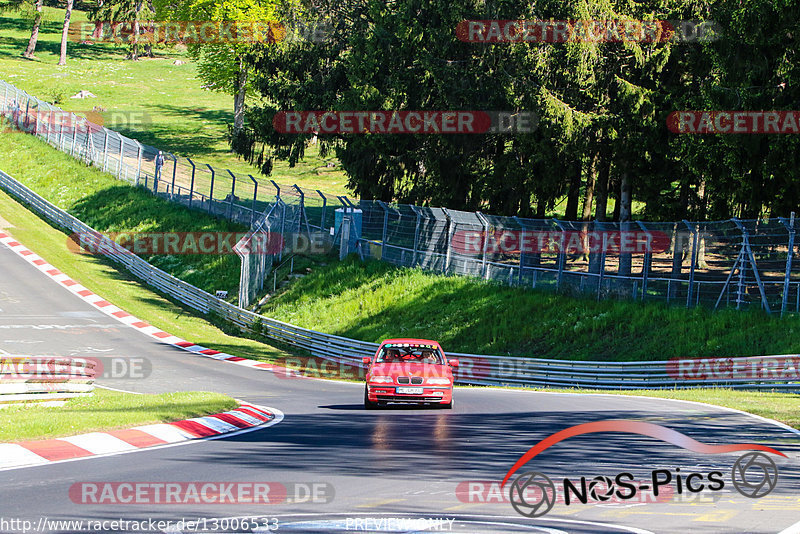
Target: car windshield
(410, 353)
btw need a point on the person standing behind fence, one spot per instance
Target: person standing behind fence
(159, 164)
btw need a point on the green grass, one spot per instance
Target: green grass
(108, 205)
(783, 407)
(106, 410)
(181, 116)
(123, 290)
(375, 301)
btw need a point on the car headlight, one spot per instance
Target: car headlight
(381, 379)
(439, 381)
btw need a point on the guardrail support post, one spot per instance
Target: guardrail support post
(789, 257)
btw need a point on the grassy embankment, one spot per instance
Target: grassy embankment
(106, 410)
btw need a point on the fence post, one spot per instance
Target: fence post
(74, 123)
(521, 251)
(233, 193)
(324, 206)
(385, 209)
(485, 224)
(344, 243)
(174, 173)
(211, 193)
(451, 229)
(789, 257)
(648, 255)
(121, 155)
(139, 151)
(602, 269)
(105, 149)
(416, 236)
(695, 235)
(191, 184)
(562, 253)
(255, 195)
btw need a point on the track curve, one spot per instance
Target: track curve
(400, 463)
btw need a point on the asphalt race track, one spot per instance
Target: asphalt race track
(382, 466)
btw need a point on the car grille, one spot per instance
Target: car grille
(417, 380)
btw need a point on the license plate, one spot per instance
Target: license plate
(412, 391)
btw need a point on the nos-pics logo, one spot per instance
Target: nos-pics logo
(533, 494)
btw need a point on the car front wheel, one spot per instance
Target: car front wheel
(368, 404)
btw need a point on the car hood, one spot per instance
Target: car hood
(411, 369)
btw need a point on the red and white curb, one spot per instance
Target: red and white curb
(122, 316)
(245, 418)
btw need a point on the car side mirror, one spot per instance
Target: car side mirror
(366, 359)
(453, 363)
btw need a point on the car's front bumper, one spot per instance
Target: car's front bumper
(389, 393)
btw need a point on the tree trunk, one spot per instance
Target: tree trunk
(588, 196)
(624, 220)
(586, 215)
(35, 31)
(62, 60)
(98, 24)
(601, 206)
(238, 100)
(134, 55)
(574, 194)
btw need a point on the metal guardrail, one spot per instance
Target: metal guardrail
(44, 378)
(475, 369)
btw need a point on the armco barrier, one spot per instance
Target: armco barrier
(42, 378)
(476, 369)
